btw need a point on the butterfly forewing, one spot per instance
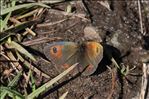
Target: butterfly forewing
(62, 53)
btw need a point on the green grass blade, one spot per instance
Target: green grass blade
(30, 75)
(50, 83)
(4, 23)
(33, 82)
(15, 80)
(22, 50)
(10, 91)
(5, 35)
(12, 83)
(10, 9)
(1, 23)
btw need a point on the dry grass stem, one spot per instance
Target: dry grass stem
(51, 23)
(140, 17)
(40, 41)
(145, 82)
(57, 12)
(18, 22)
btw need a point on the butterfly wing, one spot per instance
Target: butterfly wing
(93, 54)
(62, 54)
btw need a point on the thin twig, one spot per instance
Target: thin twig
(40, 40)
(113, 82)
(14, 67)
(144, 81)
(51, 23)
(79, 15)
(140, 17)
(18, 22)
(27, 14)
(32, 67)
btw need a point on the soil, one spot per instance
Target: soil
(119, 29)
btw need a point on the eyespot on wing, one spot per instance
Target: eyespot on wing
(93, 56)
(60, 52)
(94, 49)
(53, 52)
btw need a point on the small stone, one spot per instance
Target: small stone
(90, 33)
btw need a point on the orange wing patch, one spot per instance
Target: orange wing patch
(94, 48)
(89, 67)
(56, 51)
(66, 66)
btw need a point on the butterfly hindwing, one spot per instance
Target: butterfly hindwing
(93, 54)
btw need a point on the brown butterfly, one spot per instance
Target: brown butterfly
(64, 54)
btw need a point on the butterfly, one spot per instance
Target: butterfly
(64, 54)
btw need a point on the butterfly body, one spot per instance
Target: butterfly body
(64, 54)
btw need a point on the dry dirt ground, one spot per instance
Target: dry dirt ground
(119, 28)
